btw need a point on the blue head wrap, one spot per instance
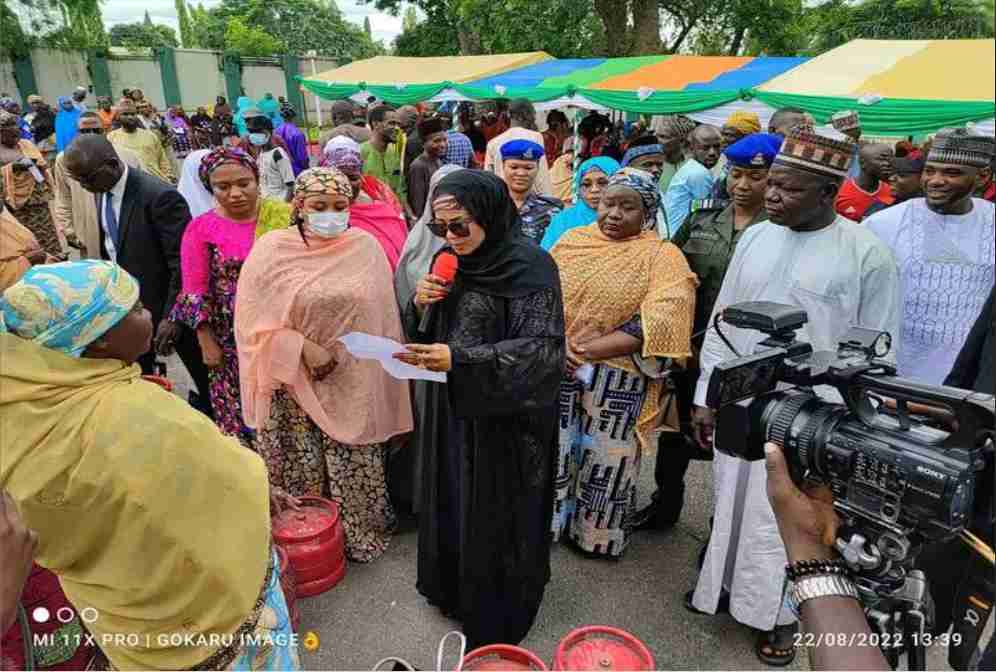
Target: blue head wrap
(66, 124)
(68, 306)
(579, 214)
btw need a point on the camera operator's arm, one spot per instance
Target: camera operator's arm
(808, 526)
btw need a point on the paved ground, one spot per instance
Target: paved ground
(376, 611)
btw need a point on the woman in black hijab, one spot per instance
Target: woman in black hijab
(489, 434)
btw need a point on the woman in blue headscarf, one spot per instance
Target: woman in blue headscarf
(66, 123)
(242, 105)
(271, 108)
(589, 182)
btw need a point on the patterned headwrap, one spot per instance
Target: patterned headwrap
(68, 306)
(315, 181)
(8, 104)
(633, 153)
(287, 110)
(744, 122)
(219, 156)
(343, 158)
(7, 120)
(645, 185)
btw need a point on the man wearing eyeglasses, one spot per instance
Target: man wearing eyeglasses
(75, 210)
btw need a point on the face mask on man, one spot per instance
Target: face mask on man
(259, 139)
(328, 224)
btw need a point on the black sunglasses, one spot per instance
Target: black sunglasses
(458, 229)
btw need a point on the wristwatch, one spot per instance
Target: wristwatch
(820, 585)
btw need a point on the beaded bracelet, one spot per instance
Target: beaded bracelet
(797, 570)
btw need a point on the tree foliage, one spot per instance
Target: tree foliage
(708, 27)
(183, 19)
(563, 28)
(299, 25)
(246, 40)
(56, 24)
(139, 35)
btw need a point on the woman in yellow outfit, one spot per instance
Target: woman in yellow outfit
(154, 522)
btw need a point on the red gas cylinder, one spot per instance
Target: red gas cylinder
(315, 544)
(500, 657)
(55, 627)
(601, 648)
(288, 584)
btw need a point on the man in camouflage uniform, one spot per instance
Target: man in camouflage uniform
(708, 238)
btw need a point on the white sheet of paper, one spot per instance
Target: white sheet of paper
(366, 346)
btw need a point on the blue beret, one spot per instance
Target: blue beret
(526, 150)
(757, 150)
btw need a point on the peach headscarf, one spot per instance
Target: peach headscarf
(290, 290)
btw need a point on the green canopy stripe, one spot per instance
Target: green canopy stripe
(660, 102)
(890, 116)
(612, 67)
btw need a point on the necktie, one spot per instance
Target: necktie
(110, 219)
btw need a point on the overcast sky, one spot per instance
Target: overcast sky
(384, 26)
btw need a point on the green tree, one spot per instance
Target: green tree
(366, 27)
(62, 24)
(246, 40)
(837, 22)
(410, 19)
(183, 19)
(301, 25)
(488, 27)
(140, 35)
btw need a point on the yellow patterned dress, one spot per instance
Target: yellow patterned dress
(643, 287)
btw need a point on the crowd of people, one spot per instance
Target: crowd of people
(575, 340)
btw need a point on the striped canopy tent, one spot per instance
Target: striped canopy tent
(692, 82)
(403, 80)
(899, 87)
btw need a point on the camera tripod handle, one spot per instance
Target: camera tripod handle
(856, 553)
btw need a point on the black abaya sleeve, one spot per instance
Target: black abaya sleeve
(522, 370)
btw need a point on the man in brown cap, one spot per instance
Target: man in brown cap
(841, 274)
(943, 244)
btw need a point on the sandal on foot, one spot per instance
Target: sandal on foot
(776, 647)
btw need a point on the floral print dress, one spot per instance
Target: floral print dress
(211, 257)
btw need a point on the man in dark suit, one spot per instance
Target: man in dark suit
(141, 223)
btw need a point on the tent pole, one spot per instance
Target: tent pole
(318, 101)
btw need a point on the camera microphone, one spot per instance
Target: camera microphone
(444, 268)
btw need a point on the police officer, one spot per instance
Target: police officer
(520, 167)
(708, 238)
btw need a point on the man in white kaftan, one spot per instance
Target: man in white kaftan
(842, 275)
(944, 245)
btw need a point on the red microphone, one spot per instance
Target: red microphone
(444, 268)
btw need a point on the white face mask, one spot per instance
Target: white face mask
(259, 139)
(328, 224)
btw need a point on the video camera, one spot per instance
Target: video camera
(898, 480)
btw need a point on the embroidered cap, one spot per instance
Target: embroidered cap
(525, 150)
(962, 147)
(807, 150)
(846, 120)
